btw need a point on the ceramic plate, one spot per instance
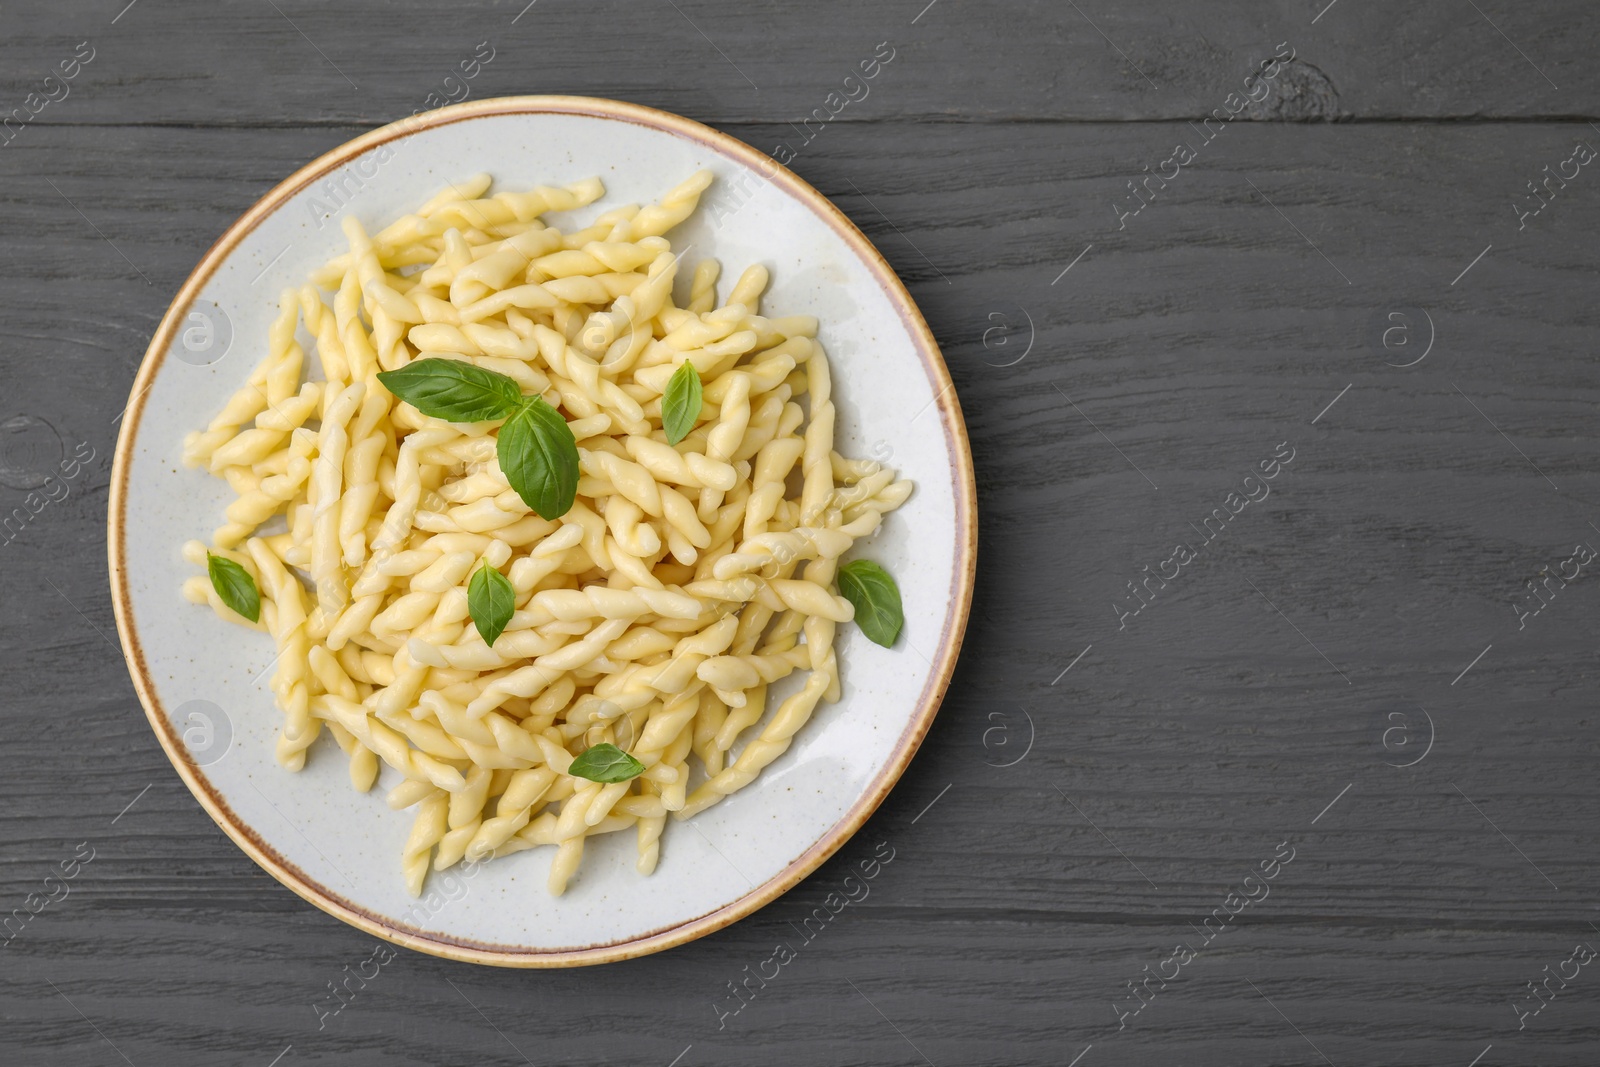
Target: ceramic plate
(204, 684)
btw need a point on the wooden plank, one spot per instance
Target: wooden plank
(252, 65)
(879, 985)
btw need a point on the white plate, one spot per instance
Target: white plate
(204, 684)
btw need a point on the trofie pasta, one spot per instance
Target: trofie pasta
(643, 576)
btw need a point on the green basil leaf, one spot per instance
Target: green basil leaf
(452, 390)
(235, 586)
(876, 599)
(605, 763)
(680, 404)
(539, 457)
(491, 601)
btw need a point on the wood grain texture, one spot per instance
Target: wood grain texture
(1095, 785)
(238, 62)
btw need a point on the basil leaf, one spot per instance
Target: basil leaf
(605, 763)
(452, 390)
(680, 404)
(876, 598)
(491, 601)
(539, 457)
(235, 586)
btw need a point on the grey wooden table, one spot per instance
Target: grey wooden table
(1342, 718)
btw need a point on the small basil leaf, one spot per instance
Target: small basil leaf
(680, 404)
(539, 457)
(452, 390)
(605, 763)
(491, 600)
(876, 599)
(235, 586)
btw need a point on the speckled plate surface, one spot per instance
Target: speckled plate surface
(204, 683)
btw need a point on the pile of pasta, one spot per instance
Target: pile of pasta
(685, 580)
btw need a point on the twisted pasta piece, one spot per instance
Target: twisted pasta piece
(426, 831)
(513, 811)
(289, 681)
(465, 816)
(333, 441)
(267, 496)
(389, 744)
